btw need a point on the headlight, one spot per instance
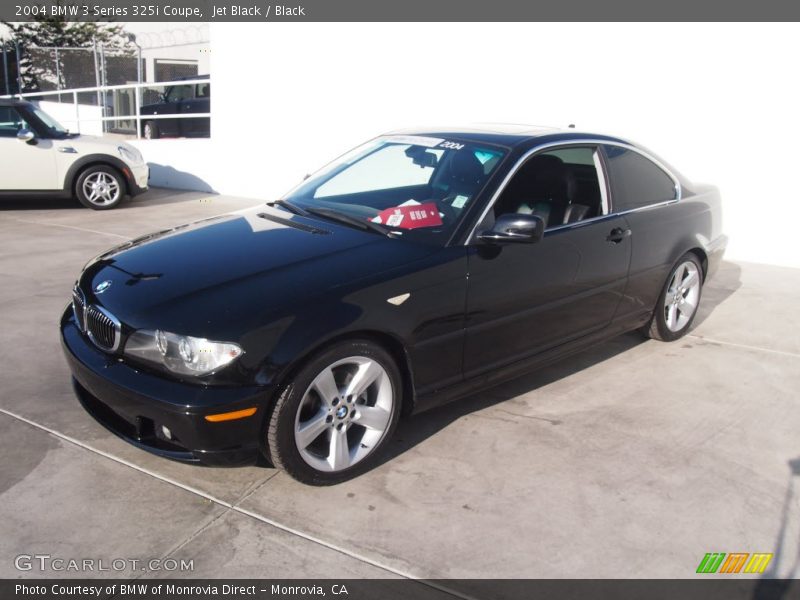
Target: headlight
(181, 354)
(130, 153)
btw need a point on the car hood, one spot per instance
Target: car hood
(241, 267)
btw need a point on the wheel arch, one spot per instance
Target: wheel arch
(93, 160)
(702, 256)
(388, 342)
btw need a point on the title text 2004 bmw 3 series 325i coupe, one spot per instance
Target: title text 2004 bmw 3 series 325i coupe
(418, 268)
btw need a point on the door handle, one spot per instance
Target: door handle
(617, 235)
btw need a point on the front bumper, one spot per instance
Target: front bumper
(136, 405)
(140, 178)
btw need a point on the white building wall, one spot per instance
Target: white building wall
(717, 101)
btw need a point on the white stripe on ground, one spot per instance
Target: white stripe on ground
(242, 511)
(85, 230)
(744, 346)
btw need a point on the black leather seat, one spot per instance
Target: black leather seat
(538, 188)
(463, 174)
(575, 213)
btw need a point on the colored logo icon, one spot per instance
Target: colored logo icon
(735, 562)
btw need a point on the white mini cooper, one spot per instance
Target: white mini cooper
(38, 157)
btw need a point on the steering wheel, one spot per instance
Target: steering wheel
(447, 209)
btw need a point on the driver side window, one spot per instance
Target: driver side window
(10, 122)
(562, 186)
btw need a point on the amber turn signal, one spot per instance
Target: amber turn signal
(230, 416)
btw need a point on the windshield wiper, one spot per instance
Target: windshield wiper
(290, 206)
(341, 217)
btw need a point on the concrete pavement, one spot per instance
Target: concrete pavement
(632, 459)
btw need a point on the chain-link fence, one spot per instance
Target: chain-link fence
(71, 68)
(42, 73)
(46, 69)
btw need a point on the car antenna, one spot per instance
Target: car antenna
(571, 126)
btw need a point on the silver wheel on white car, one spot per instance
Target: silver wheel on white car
(339, 410)
(100, 187)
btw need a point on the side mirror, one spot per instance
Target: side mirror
(514, 228)
(26, 135)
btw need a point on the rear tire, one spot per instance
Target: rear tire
(150, 131)
(332, 420)
(100, 187)
(678, 302)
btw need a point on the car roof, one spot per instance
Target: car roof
(187, 78)
(13, 102)
(504, 134)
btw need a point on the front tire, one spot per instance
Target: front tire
(677, 305)
(331, 421)
(100, 187)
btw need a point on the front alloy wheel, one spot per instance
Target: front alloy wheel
(100, 188)
(329, 424)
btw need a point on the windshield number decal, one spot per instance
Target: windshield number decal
(451, 145)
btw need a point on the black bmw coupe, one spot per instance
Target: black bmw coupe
(418, 268)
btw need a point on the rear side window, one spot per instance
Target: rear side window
(180, 92)
(636, 181)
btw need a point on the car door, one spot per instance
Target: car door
(27, 165)
(200, 102)
(526, 298)
(647, 195)
(173, 101)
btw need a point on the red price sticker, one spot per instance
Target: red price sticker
(411, 216)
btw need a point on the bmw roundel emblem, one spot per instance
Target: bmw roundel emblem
(102, 286)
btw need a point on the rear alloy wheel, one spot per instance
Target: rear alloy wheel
(330, 422)
(100, 188)
(679, 300)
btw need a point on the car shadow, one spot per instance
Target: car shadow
(417, 428)
(719, 288)
(40, 203)
(156, 196)
(769, 586)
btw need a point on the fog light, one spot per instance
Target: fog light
(167, 433)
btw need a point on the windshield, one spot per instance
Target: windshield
(414, 187)
(54, 128)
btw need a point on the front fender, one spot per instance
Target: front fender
(71, 176)
(418, 314)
